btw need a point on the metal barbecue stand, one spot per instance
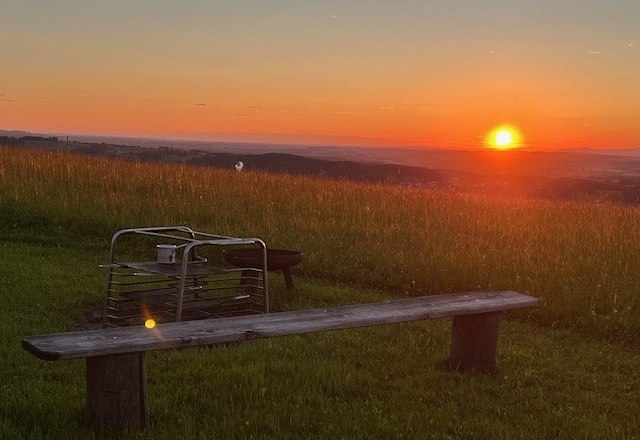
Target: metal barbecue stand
(191, 288)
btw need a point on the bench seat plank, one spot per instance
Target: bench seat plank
(106, 342)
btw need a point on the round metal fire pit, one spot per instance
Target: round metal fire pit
(277, 259)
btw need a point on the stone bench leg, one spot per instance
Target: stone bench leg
(474, 341)
(117, 394)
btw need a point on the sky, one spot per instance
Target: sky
(442, 74)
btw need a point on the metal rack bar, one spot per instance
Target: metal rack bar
(167, 291)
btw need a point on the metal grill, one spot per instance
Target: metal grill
(192, 287)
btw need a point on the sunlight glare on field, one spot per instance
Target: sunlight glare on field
(504, 137)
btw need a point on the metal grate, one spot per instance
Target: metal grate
(191, 288)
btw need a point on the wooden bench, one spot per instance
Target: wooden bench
(116, 375)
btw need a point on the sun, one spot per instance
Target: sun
(504, 137)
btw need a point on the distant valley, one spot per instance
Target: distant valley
(589, 175)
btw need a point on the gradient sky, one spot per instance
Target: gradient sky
(404, 72)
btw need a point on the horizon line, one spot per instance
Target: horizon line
(317, 144)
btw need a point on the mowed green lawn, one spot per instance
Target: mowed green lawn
(381, 382)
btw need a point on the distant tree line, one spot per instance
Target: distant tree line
(40, 138)
(11, 141)
(21, 141)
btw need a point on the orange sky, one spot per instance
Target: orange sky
(405, 73)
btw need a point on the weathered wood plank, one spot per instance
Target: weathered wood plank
(107, 342)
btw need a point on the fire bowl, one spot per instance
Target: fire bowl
(277, 259)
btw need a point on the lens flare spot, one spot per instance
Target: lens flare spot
(150, 323)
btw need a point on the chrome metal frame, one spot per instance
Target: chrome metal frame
(167, 283)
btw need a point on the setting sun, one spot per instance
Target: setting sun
(504, 137)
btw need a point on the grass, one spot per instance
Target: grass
(569, 370)
(582, 259)
(382, 382)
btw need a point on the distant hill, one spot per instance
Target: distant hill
(556, 175)
(579, 162)
(19, 133)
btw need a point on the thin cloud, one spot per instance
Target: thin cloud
(292, 112)
(350, 113)
(201, 104)
(595, 52)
